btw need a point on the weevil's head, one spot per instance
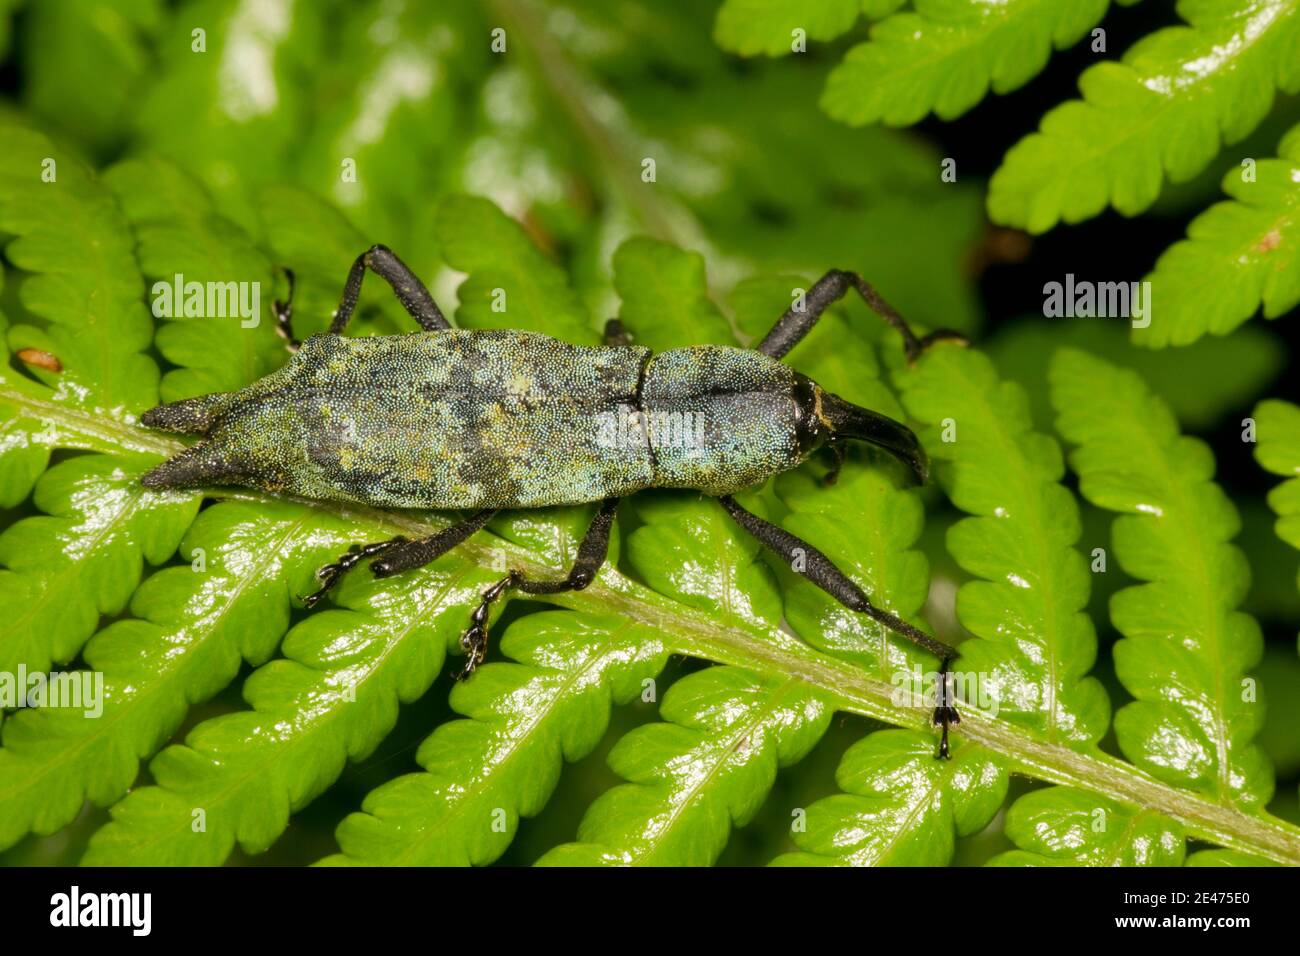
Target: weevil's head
(825, 417)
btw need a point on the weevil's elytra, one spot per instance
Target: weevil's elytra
(480, 421)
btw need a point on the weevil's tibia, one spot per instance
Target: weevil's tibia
(408, 288)
(799, 319)
(284, 315)
(591, 556)
(945, 710)
(821, 571)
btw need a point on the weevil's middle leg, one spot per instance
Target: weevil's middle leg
(616, 333)
(798, 322)
(591, 556)
(821, 571)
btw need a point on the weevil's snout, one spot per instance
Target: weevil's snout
(190, 416)
(826, 417)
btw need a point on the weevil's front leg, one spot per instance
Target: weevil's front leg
(399, 554)
(799, 319)
(408, 288)
(821, 571)
(591, 555)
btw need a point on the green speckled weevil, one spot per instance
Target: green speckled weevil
(480, 421)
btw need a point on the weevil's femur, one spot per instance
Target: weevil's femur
(831, 418)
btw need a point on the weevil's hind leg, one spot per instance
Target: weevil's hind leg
(284, 315)
(408, 288)
(616, 333)
(399, 554)
(591, 556)
(798, 322)
(821, 571)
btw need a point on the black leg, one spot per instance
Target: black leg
(616, 333)
(796, 323)
(284, 316)
(591, 555)
(410, 291)
(821, 571)
(399, 554)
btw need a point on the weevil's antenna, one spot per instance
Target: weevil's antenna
(846, 420)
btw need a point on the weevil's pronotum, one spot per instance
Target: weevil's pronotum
(481, 421)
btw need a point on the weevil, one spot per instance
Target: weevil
(481, 421)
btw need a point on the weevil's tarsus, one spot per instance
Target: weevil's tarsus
(331, 574)
(284, 314)
(399, 554)
(945, 709)
(592, 553)
(799, 319)
(821, 571)
(408, 288)
(616, 333)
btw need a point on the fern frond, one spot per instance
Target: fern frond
(1277, 426)
(750, 27)
(1178, 95)
(526, 719)
(510, 281)
(332, 697)
(1186, 650)
(1035, 643)
(665, 297)
(72, 236)
(900, 806)
(192, 627)
(944, 57)
(1237, 255)
(707, 768)
(178, 232)
(85, 556)
(1063, 827)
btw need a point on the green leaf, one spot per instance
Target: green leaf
(665, 296)
(708, 768)
(1058, 826)
(483, 774)
(332, 697)
(84, 556)
(93, 53)
(86, 284)
(192, 627)
(944, 57)
(1186, 650)
(1035, 645)
(1277, 428)
(511, 284)
(901, 805)
(1178, 95)
(179, 233)
(1237, 255)
(749, 27)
